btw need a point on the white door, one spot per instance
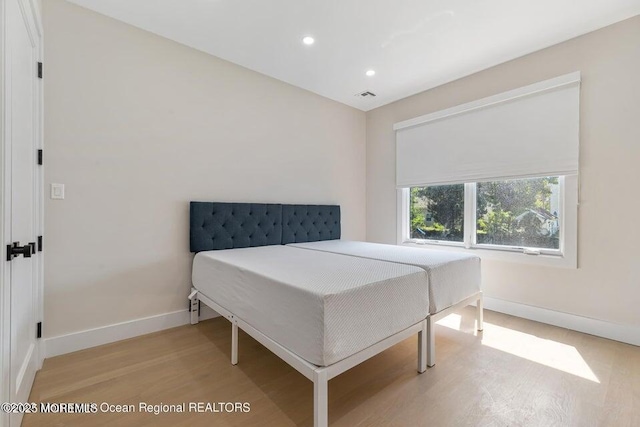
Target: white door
(21, 204)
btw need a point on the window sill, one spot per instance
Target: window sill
(559, 261)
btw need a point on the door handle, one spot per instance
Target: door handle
(16, 250)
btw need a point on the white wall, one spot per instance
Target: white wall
(607, 284)
(136, 126)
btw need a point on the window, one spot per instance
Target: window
(498, 175)
(437, 213)
(519, 213)
(531, 216)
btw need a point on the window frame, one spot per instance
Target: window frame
(565, 256)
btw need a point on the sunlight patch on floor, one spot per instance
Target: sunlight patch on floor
(549, 353)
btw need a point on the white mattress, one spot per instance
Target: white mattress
(321, 306)
(453, 276)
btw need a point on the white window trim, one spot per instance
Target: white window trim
(565, 257)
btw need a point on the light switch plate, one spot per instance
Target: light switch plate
(57, 191)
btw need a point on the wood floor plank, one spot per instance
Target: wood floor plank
(515, 373)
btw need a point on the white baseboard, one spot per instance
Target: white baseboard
(75, 341)
(623, 333)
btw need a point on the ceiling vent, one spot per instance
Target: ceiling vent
(365, 94)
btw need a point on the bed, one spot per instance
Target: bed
(453, 277)
(321, 306)
(321, 312)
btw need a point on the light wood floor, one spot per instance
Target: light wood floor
(515, 373)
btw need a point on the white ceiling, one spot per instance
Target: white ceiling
(413, 45)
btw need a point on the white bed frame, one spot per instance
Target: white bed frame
(320, 375)
(433, 318)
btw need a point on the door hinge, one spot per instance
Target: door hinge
(39, 243)
(39, 330)
(40, 157)
(39, 70)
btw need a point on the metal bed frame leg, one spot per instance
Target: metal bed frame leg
(194, 306)
(422, 348)
(431, 341)
(234, 342)
(480, 312)
(320, 399)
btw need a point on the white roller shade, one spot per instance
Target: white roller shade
(531, 131)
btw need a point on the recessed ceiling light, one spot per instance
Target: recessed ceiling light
(308, 40)
(371, 73)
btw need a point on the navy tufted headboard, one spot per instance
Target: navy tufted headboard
(234, 225)
(310, 223)
(216, 225)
